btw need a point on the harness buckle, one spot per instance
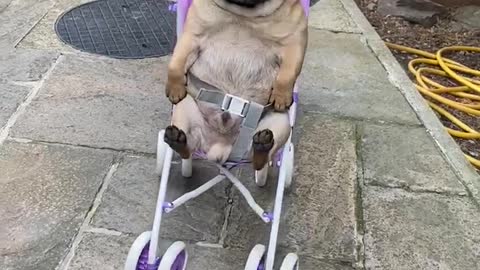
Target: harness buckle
(235, 105)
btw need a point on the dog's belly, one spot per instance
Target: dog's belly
(238, 63)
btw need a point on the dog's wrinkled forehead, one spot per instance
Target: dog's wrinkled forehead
(246, 3)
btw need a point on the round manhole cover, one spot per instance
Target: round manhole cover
(120, 28)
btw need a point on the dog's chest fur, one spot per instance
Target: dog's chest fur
(236, 62)
(239, 55)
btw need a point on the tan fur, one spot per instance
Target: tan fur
(256, 54)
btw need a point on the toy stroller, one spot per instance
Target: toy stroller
(143, 253)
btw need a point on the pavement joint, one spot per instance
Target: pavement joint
(43, 142)
(86, 222)
(228, 213)
(26, 84)
(372, 50)
(359, 217)
(446, 193)
(104, 231)
(30, 30)
(335, 31)
(5, 130)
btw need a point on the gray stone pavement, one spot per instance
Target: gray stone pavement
(372, 189)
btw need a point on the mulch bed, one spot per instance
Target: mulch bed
(444, 33)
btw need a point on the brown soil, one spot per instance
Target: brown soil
(445, 33)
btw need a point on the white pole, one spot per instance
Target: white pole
(272, 245)
(152, 252)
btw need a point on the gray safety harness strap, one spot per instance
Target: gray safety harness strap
(251, 113)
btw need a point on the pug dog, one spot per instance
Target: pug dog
(252, 49)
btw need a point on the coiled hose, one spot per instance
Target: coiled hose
(468, 87)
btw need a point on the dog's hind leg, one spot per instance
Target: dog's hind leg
(272, 133)
(176, 137)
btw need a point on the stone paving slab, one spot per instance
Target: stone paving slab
(108, 252)
(407, 231)
(128, 205)
(341, 76)
(4, 4)
(98, 251)
(24, 65)
(318, 219)
(18, 17)
(245, 229)
(52, 188)
(43, 36)
(404, 156)
(100, 102)
(10, 97)
(307, 264)
(330, 15)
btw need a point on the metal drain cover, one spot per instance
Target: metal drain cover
(120, 28)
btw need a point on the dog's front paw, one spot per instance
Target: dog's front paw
(281, 100)
(175, 90)
(282, 97)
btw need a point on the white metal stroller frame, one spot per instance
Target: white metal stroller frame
(143, 253)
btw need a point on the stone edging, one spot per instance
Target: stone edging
(397, 76)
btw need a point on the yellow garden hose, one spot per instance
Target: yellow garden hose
(468, 88)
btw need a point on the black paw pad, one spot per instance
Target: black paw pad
(263, 141)
(175, 137)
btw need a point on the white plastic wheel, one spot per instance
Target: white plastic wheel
(289, 162)
(187, 167)
(161, 151)
(290, 262)
(255, 257)
(175, 258)
(261, 176)
(136, 250)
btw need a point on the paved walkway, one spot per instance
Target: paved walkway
(372, 189)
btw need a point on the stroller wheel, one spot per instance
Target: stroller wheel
(256, 259)
(290, 262)
(138, 255)
(161, 151)
(175, 258)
